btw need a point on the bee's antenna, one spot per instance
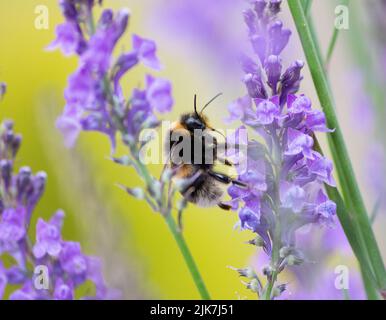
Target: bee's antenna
(219, 132)
(195, 106)
(210, 101)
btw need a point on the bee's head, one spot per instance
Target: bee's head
(193, 121)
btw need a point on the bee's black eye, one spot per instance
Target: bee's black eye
(193, 124)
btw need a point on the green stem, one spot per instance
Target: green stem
(184, 249)
(337, 144)
(149, 181)
(190, 263)
(375, 211)
(306, 6)
(268, 292)
(333, 40)
(331, 46)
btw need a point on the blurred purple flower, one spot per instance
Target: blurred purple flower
(146, 51)
(94, 97)
(158, 93)
(67, 267)
(48, 236)
(68, 38)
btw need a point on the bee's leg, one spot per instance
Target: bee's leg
(228, 163)
(182, 206)
(180, 211)
(225, 161)
(223, 178)
(224, 206)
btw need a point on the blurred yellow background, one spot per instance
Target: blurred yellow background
(139, 254)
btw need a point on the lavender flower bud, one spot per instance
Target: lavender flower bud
(106, 18)
(39, 184)
(7, 137)
(267, 271)
(23, 181)
(3, 89)
(259, 45)
(255, 86)
(278, 290)
(290, 80)
(259, 7)
(279, 37)
(15, 145)
(125, 160)
(137, 193)
(257, 241)
(273, 70)
(155, 190)
(247, 273)
(8, 124)
(255, 286)
(250, 21)
(121, 20)
(167, 175)
(6, 167)
(248, 65)
(274, 6)
(68, 9)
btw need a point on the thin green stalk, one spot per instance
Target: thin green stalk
(331, 46)
(354, 238)
(307, 6)
(149, 181)
(375, 211)
(333, 40)
(177, 235)
(190, 263)
(337, 144)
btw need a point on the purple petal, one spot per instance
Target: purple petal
(146, 51)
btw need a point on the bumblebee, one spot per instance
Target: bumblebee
(192, 155)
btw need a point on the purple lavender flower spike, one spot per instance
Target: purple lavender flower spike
(67, 267)
(94, 98)
(284, 176)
